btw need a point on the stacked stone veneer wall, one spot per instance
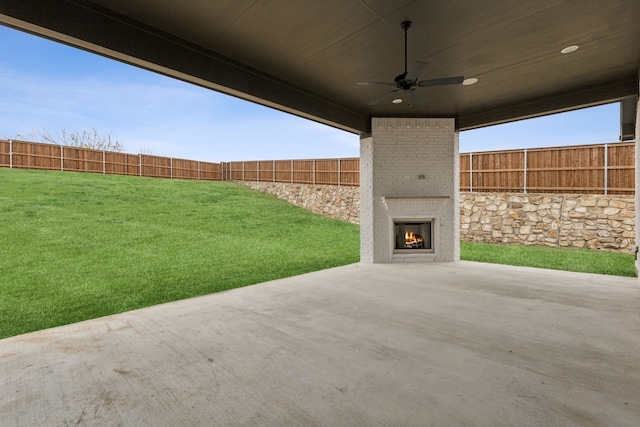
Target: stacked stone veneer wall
(561, 220)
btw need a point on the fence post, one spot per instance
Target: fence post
(313, 173)
(339, 171)
(470, 172)
(140, 164)
(292, 171)
(62, 158)
(171, 167)
(606, 169)
(243, 170)
(258, 170)
(10, 154)
(274, 171)
(104, 162)
(525, 172)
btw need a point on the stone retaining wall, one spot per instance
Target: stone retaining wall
(340, 202)
(560, 220)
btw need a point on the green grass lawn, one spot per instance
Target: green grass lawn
(569, 259)
(79, 246)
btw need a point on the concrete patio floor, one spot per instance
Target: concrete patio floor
(448, 344)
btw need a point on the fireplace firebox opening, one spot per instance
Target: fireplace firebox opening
(413, 236)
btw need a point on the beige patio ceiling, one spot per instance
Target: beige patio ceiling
(306, 57)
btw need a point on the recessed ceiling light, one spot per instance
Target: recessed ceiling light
(397, 101)
(469, 81)
(569, 49)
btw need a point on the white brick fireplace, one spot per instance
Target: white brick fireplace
(409, 185)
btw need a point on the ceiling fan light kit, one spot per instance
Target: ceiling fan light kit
(408, 82)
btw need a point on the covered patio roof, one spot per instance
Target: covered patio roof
(307, 57)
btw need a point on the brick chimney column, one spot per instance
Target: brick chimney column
(409, 169)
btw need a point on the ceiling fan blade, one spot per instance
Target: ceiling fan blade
(416, 97)
(375, 101)
(441, 82)
(414, 72)
(375, 83)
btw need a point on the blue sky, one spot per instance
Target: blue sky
(50, 86)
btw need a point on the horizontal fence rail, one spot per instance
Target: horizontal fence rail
(593, 169)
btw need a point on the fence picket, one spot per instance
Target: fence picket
(606, 169)
(470, 172)
(524, 177)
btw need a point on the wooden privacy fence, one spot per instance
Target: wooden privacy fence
(315, 171)
(591, 169)
(30, 155)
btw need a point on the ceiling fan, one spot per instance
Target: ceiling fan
(407, 82)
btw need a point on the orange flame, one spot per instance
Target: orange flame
(411, 238)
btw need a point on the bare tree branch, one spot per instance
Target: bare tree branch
(92, 139)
